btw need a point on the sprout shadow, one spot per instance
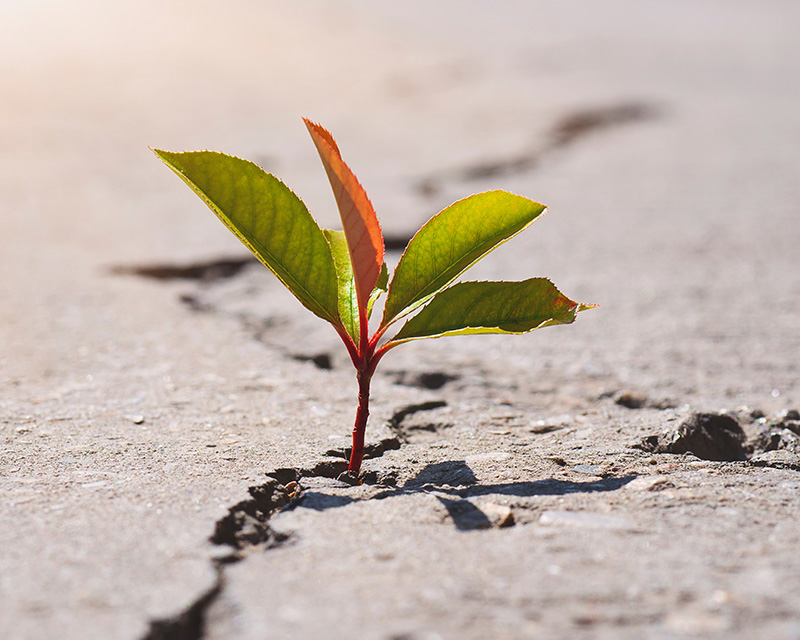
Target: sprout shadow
(453, 482)
(455, 477)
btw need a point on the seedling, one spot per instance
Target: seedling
(339, 275)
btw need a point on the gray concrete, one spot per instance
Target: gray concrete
(136, 412)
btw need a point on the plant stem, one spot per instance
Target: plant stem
(360, 427)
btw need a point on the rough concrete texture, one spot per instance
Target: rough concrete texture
(146, 387)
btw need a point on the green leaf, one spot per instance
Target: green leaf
(452, 241)
(491, 307)
(380, 287)
(348, 299)
(269, 219)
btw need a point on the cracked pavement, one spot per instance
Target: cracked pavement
(153, 376)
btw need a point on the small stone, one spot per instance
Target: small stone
(778, 459)
(137, 419)
(292, 488)
(649, 483)
(468, 516)
(499, 515)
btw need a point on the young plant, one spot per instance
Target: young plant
(338, 275)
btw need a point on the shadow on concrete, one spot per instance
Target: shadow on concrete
(453, 483)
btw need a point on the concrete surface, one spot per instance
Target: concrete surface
(143, 393)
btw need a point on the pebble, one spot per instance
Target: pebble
(778, 459)
(292, 489)
(649, 483)
(499, 515)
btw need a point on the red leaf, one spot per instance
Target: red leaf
(361, 227)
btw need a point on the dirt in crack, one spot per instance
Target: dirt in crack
(246, 524)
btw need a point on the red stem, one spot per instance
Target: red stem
(362, 363)
(365, 361)
(360, 427)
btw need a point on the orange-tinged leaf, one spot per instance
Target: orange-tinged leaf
(361, 227)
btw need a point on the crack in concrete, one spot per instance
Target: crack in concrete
(563, 133)
(204, 271)
(190, 624)
(396, 421)
(245, 528)
(431, 380)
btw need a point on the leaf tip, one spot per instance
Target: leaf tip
(317, 131)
